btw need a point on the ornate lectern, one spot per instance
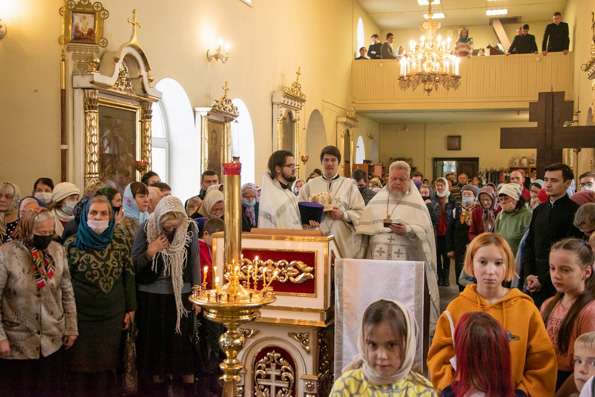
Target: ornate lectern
(288, 350)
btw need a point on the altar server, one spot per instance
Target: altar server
(345, 200)
(278, 205)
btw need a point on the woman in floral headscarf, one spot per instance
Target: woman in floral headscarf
(9, 214)
(165, 254)
(136, 205)
(105, 291)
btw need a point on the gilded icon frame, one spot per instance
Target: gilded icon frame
(79, 11)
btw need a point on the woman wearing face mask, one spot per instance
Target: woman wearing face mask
(515, 217)
(249, 207)
(212, 207)
(136, 206)
(10, 197)
(483, 217)
(37, 308)
(166, 258)
(42, 191)
(105, 290)
(64, 198)
(442, 208)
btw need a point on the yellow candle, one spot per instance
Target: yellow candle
(205, 272)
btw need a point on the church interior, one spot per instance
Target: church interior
(100, 92)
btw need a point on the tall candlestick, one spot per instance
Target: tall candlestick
(205, 272)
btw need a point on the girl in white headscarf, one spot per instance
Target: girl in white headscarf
(388, 343)
(165, 254)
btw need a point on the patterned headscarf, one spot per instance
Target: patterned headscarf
(131, 209)
(174, 256)
(86, 238)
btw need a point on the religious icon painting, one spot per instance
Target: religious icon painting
(83, 22)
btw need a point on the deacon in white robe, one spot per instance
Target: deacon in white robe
(278, 206)
(399, 225)
(345, 199)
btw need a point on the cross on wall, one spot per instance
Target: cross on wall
(550, 136)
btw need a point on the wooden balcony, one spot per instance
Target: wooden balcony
(487, 82)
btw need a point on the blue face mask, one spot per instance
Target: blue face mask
(468, 201)
(249, 202)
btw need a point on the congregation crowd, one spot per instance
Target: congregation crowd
(94, 284)
(555, 39)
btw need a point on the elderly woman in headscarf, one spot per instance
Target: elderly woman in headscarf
(249, 207)
(65, 197)
(37, 309)
(212, 207)
(443, 205)
(10, 197)
(515, 217)
(136, 206)
(483, 217)
(105, 290)
(165, 255)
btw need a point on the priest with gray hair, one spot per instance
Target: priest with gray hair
(399, 227)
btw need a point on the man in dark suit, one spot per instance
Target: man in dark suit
(551, 221)
(555, 38)
(523, 43)
(374, 48)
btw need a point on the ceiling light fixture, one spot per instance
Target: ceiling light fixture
(436, 15)
(425, 2)
(497, 12)
(429, 62)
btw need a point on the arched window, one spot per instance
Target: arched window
(176, 144)
(360, 151)
(361, 36)
(242, 136)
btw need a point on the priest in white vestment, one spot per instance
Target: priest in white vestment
(278, 206)
(345, 200)
(399, 225)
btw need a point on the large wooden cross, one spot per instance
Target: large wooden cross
(550, 136)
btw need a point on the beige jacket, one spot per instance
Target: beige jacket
(34, 321)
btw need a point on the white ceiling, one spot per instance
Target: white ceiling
(448, 116)
(401, 14)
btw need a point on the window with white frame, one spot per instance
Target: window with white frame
(242, 133)
(160, 143)
(360, 151)
(361, 36)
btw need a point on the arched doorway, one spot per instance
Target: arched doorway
(315, 140)
(242, 137)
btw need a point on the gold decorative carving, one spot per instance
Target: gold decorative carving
(135, 26)
(225, 105)
(85, 59)
(310, 385)
(91, 104)
(146, 134)
(249, 332)
(295, 90)
(589, 67)
(273, 376)
(123, 83)
(296, 272)
(303, 338)
(325, 361)
(74, 10)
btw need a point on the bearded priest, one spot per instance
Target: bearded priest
(343, 201)
(399, 225)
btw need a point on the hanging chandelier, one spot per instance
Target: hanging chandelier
(430, 62)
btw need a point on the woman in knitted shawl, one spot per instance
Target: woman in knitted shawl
(165, 254)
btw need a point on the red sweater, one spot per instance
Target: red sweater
(205, 259)
(477, 226)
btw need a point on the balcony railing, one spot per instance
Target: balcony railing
(488, 82)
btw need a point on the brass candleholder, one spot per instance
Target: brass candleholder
(232, 304)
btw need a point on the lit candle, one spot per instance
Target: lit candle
(217, 284)
(205, 271)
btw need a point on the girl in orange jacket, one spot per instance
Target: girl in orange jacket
(533, 359)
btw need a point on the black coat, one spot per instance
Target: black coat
(523, 44)
(549, 223)
(374, 51)
(556, 38)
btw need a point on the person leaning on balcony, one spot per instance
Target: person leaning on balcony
(375, 48)
(362, 53)
(523, 43)
(387, 47)
(555, 38)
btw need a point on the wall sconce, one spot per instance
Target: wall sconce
(221, 53)
(3, 29)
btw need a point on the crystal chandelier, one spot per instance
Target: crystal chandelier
(430, 61)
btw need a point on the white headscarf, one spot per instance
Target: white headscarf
(360, 361)
(174, 256)
(213, 197)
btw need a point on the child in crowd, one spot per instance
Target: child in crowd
(480, 343)
(571, 312)
(584, 364)
(533, 358)
(387, 350)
